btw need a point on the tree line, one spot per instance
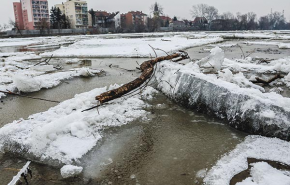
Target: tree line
(248, 21)
(58, 20)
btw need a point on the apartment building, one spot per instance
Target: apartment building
(133, 19)
(30, 14)
(103, 19)
(77, 12)
(18, 15)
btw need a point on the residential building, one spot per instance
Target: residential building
(61, 7)
(165, 21)
(31, 13)
(18, 15)
(134, 20)
(77, 12)
(103, 19)
(177, 24)
(200, 23)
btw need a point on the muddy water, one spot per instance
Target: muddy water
(170, 146)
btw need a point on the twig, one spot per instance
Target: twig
(251, 53)
(11, 93)
(129, 70)
(45, 61)
(49, 59)
(21, 67)
(242, 51)
(153, 50)
(92, 108)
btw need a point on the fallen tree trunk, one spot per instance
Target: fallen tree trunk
(260, 80)
(151, 63)
(147, 69)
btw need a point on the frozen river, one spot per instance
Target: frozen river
(169, 145)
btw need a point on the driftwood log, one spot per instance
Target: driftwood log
(262, 81)
(147, 69)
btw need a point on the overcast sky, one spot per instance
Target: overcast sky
(180, 8)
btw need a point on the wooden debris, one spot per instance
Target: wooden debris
(260, 80)
(151, 63)
(11, 93)
(147, 69)
(45, 61)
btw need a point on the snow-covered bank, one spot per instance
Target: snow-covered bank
(253, 147)
(64, 133)
(122, 47)
(246, 109)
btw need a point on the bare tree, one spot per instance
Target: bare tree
(5, 26)
(252, 24)
(43, 25)
(15, 25)
(277, 20)
(199, 10)
(251, 16)
(227, 16)
(203, 10)
(211, 13)
(264, 23)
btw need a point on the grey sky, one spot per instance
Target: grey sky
(180, 8)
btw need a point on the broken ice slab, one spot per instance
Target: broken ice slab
(245, 109)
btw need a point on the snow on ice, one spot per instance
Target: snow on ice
(70, 171)
(17, 74)
(214, 62)
(262, 174)
(284, 46)
(64, 133)
(243, 105)
(123, 47)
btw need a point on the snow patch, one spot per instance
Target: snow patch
(264, 174)
(253, 147)
(212, 63)
(70, 171)
(284, 46)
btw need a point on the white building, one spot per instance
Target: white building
(77, 12)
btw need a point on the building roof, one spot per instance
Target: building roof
(178, 22)
(200, 20)
(165, 18)
(140, 13)
(102, 14)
